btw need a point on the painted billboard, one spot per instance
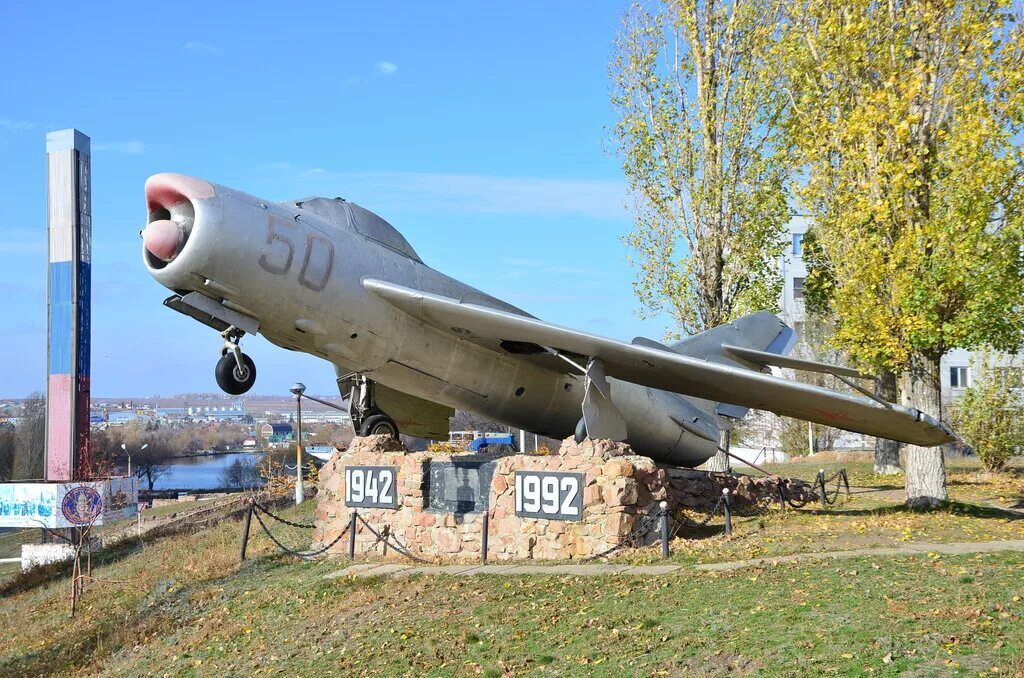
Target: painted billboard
(63, 505)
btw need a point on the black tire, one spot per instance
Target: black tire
(581, 431)
(379, 424)
(228, 377)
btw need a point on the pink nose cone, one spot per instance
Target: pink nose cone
(163, 239)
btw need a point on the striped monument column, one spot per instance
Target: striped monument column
(69, 231)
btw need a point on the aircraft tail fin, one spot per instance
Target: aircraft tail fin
(742, 343)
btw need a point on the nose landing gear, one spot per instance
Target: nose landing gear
(235, 371)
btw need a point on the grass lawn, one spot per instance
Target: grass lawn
(982, 507)
(10, 542)
(182, 606)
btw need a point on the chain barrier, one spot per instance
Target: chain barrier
(840, 477)
(693, 524)
(787, 499)
(264, 509)
(632, 538)
(390, 540)
(306, 555)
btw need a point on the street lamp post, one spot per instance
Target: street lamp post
(125, 448)
(298, 389)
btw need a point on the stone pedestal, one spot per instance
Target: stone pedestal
(620, 489)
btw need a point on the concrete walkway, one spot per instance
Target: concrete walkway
(910, 548)
(597, 569)
(582, 569)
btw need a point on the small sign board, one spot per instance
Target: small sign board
(549, 494)
(371, 486)
(459, 486)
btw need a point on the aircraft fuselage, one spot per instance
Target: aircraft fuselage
(298, 272)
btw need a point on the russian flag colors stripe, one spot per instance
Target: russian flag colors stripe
(69, 217)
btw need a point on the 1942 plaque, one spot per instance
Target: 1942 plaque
(371, 486)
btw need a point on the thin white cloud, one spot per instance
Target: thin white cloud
(460, 193)
(198, 46)
(17, 125)
(133, 147)
(21, 240)
(385, 68)
(22, 247)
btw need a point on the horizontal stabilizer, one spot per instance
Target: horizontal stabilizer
(766, 358)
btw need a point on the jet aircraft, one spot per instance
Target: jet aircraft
(410, 344)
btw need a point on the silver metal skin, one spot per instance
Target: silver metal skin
(332, 279)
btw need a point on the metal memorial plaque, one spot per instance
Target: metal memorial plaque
(459, 486)
(549, 494)
(371, 486)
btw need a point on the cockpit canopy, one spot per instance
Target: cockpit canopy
(351, 216)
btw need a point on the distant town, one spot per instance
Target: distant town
(153, 431)
(201, 408)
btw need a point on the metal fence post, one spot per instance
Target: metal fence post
(245, 532)
(352, 536)
(846, 482)
(483, 537)
(727, 503)
(820, 482)
(664, 529)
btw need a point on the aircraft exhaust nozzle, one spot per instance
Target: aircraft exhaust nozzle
(171, 203)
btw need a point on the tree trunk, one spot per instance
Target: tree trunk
(926, 467)
(720, 462)
(887, 452)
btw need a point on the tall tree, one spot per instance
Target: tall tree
(8, 443)
(30, 439)
(907, 115)
(699, 108)
(816, 296)
(154, 462)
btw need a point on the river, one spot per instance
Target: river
(199, 472)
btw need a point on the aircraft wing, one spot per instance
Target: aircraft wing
(669, 371)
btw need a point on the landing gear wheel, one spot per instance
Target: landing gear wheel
(231, 379)
(581, 431)
(379, 424)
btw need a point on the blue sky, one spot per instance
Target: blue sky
(480, 130)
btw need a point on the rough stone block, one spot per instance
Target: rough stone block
(617, 525)
(621, 492)
(448, 541)
(618, 468)
(423, 519)
(498, 485)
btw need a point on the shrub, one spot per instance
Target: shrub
(990, 415)
(445, 448)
